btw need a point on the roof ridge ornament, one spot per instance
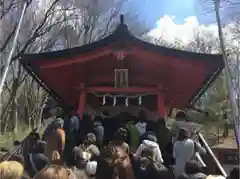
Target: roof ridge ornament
(121, 19)
(121, 31)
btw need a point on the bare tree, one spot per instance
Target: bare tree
(216, 6)
(34, 27)
(96, 21)
(235, 54)
(54, 25)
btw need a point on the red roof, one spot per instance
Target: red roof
(183, 75)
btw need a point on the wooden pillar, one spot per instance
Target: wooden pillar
(82, 101)
(160, 103)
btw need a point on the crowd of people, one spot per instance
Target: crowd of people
(123, 147)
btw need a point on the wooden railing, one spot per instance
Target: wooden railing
(19, 149)
(212, 163)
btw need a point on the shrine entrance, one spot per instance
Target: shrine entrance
(133, 103)
(121, 97)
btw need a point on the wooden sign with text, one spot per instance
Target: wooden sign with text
(227, 156)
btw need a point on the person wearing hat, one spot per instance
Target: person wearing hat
(57, 123)
(184, 149)
(98, 130)
(86, 152)
(55, 139)
(36, 160)
(120, 139)
(183, 121)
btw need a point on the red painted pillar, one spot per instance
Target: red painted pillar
(82, 101)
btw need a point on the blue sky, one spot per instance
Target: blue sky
(178, 8)
(153, 10)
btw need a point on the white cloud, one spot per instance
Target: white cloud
(168, 30)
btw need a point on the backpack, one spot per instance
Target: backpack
(148, 164)
(51, 128)
(86, 156)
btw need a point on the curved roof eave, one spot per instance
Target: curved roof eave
(119, 35)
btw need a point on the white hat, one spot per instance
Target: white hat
(215, 177)
(91, 168)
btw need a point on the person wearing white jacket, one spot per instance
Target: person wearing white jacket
(152, 146)
(184, 150)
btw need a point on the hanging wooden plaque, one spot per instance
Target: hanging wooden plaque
(121, 78)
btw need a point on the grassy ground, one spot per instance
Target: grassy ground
(212, 133)
(7, 139)
(215, 138)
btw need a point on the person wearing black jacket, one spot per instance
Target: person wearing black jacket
(98, 130)
(36, 160)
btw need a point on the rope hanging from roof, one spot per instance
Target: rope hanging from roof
(126, 96)
(126, 101)
(140, 100)
(122, 95)
(104, 100)
(114, 101)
